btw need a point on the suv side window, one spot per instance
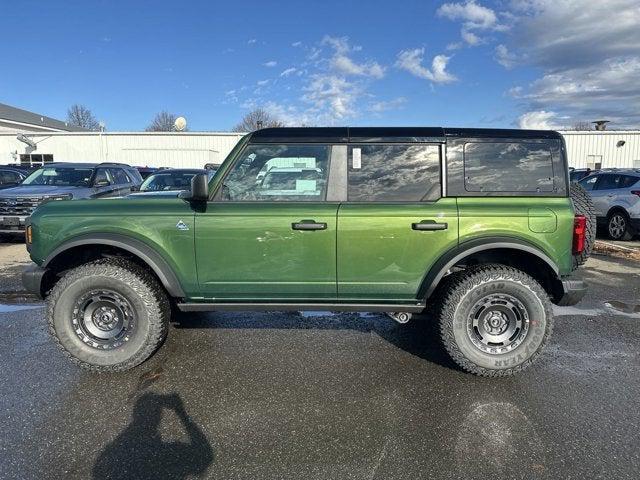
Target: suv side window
(589, 182)
(119, 176)
(9, 176)
(608, 181)
(102, 175)
(627, 181)
(507, 167)
(294, 172)
(394, 173)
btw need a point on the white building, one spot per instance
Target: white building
(603, 149)
(154, 149)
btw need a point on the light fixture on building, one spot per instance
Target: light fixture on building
(24, 139)
(620, 143)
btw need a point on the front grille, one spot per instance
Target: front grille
(21, 206)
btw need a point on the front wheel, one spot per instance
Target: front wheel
(109, 315)
(618, 226)
(495, 320)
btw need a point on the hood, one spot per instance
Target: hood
(38, 191)
(161, 193)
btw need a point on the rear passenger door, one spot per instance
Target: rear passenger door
(395, 223)
(122, 182)
(605, 192)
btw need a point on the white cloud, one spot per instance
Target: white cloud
(331, 96)
(411, 61)
(251, 41)
(473, 17)
(383, 106)
(288, 71)
(296, 44)
(471, 13)
(262, 83)
(504, 57)
(538, 120)
(470, 38)
(270, 63)
(344, 64)
(589, 53)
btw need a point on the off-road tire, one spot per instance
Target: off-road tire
(138, 286)
(583, 205)
(472, 286)
(627, 232)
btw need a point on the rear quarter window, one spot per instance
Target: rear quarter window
(508, 167)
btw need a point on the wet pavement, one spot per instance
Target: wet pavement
(321, 396)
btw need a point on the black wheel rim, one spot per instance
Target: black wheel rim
(617, 226)
(103, 319)
(497, 324)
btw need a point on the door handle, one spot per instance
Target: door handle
(308, 225)
(429, 225)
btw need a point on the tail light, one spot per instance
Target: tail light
(635, 192)
(579, 228)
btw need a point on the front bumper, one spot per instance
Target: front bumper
(572, 292)
(12, 223)
(32, 277)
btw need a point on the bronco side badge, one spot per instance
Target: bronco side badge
(181, 225)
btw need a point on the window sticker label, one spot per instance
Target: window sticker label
(357, 158)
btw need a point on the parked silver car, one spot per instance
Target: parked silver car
(616, 196)
(61, 181)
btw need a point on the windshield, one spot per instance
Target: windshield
(60, 177)
(167, 181)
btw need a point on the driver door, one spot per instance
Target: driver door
(269, 233)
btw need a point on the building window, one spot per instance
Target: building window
(594, 162)
(35, 159)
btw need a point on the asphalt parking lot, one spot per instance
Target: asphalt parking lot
(322, 396)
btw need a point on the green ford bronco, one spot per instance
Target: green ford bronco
(481, 227)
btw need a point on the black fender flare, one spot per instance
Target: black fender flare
(465, 249)
(136, 247)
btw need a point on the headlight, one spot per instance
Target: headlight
(66, 196)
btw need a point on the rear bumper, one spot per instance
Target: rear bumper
(572, 292)
(32, 279)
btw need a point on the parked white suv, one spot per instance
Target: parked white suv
(616, 197)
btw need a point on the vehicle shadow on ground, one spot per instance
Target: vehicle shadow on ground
(140, 452)
(419, 337)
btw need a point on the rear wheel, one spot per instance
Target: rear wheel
(618, 226)
(108, 315)
(495, 320)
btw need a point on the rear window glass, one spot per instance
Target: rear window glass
(628, 181)
(508, 167)
(379, 173)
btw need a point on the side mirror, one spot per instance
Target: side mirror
(200, 188)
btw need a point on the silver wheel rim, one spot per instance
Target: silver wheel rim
(498, 323)
(617, 225)
(103, 319)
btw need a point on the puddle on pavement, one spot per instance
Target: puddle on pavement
(623, 307)
(610, 307)
(4, 308)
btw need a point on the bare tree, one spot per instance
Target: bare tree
(257, 119)
(80, 116)
(162, 122)
(582, 125)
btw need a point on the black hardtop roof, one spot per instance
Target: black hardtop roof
(389, 134)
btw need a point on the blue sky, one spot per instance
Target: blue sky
(529, 63)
